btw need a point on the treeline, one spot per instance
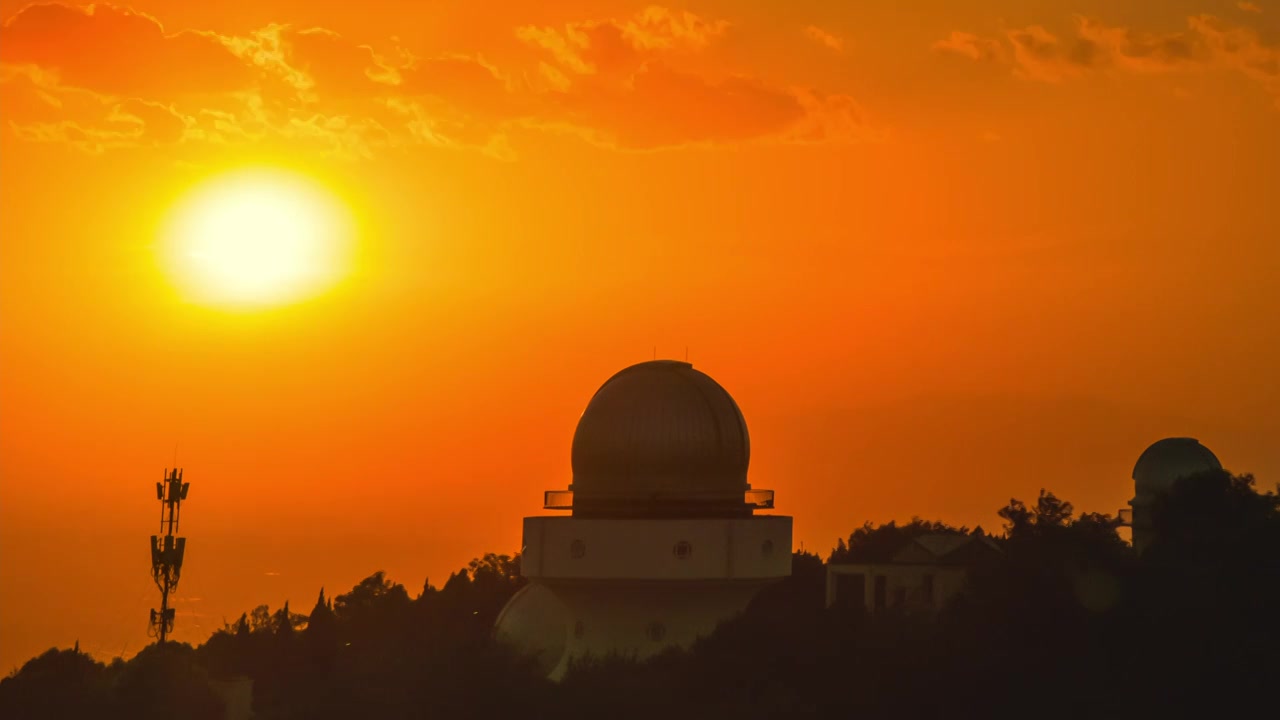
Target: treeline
(1065, 622)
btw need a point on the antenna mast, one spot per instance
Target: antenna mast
(166, 551)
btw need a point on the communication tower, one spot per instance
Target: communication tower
(167, 550)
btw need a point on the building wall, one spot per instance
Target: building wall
(562, 621)
(901, 581)
(635, 587)
(1140, 522)
(657, 549)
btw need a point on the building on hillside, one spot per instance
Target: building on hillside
(1160, 466)
(921, 576)
(663, 541)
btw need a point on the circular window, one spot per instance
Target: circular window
(579, 629)
(577, 549)
(766, 548)
(682, 550)
(656, 631)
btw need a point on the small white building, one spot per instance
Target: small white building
(662, 542)
(921, 576)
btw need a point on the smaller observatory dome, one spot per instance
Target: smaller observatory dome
(660, 432)
(1170, 460)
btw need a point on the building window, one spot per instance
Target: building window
(579, 629)
(766, 548)
(656, 631)
(577, 549)
(683, 550)
(926, 587)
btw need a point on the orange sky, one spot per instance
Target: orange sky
(942, 255)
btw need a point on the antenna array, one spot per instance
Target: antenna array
(167, 550)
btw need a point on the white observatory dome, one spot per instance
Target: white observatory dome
(663, 543)
(1170, 460)
(656, 434)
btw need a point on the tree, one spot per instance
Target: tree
(165, 681)
(57, 684)
(871, 543)
(371, 599)
(1214, 517)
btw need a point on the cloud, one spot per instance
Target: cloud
(1240, 49)
(159, 123)
(1039, 55)
(971, 46)
(660, 106)
(38, 110)
(1207, 43)
(468, 82)
(1249, 7)
(104, 77)
(619, 46)
(1132, 50)
(833, 118)
(657, 27)
(822, 37)
(119, 51)
(618, 83)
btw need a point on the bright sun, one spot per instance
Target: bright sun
(257, 237)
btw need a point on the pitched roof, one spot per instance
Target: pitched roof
(942, 548)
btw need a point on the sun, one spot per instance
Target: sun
(257, 237)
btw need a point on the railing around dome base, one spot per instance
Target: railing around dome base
(563, 499)
(759, 499)
(557, 500)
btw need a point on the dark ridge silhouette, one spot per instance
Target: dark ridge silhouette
(1066, 621)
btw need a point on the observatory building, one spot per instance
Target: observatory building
(662, 543)
(1158, 468)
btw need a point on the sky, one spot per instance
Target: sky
(942, 253)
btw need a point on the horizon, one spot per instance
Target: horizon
(941, 257)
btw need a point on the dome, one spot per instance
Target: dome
(660, 432)
(1169, 460)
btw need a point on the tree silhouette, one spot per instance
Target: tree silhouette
(878, 543)
(59, 683)
(1065, 622)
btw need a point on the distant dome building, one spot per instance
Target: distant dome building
(1158, 468)
(662, 543)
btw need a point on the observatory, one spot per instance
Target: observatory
(662, 542)
(1158, 468)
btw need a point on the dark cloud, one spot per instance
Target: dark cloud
(1208, 42)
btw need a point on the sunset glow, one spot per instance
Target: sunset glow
(358, 268)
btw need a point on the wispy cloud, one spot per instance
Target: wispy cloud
(823, 37)
(1208, 42)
